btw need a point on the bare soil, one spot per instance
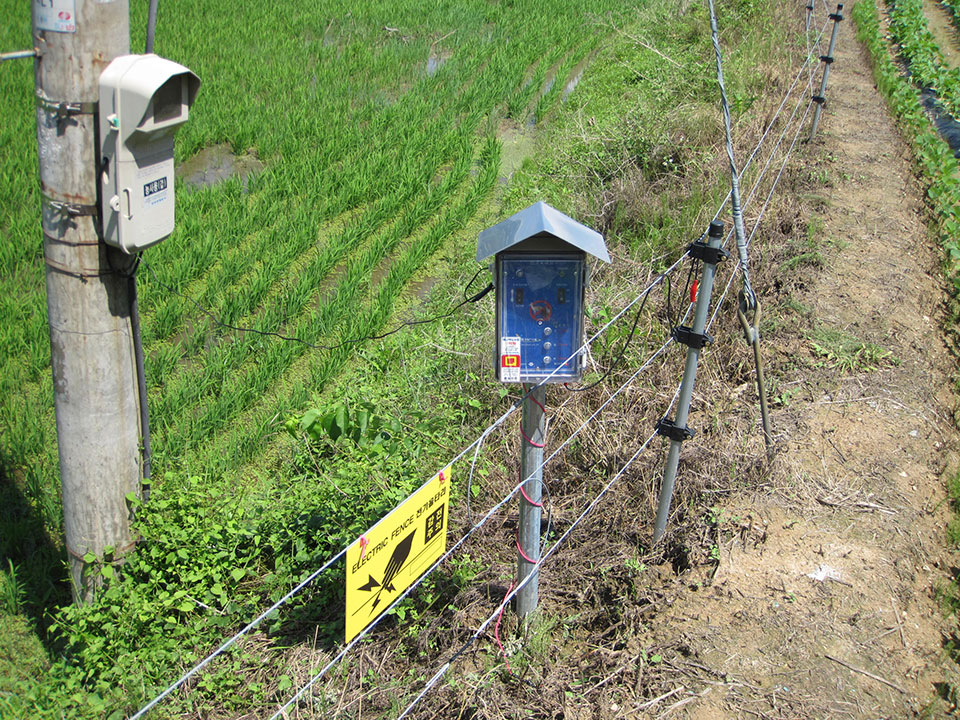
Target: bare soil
(944, 31)
(823, 600)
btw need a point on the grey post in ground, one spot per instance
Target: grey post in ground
(827, 59)
(94, 378)
(679, 425)
(531, 471)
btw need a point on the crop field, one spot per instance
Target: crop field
(379, 129)
(933, 122)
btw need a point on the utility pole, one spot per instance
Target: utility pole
(88, 302)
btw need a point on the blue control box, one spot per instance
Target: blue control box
(539, 316)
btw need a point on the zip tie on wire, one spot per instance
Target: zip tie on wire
(363, 546)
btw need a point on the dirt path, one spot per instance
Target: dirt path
(834, 565)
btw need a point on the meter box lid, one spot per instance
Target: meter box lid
(540, 221)
(146, 93)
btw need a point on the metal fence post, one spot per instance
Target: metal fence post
(531, 470)
(695, 339)
(827, 59)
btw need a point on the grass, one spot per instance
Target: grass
(377, 174)
(843, 351)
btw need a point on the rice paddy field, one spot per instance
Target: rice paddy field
(382, 136)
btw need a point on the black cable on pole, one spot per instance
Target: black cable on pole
(145, 452)
(151, 25)
(130, 272)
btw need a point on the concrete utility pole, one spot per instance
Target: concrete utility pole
(94, 375)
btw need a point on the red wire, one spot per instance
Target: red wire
(535, 444)
(522, 553)
(693, 291)
(535, 401)
(527, 498)
(496, 628)
(540, 405)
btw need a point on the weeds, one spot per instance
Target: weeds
(12, 590)
(848, 354)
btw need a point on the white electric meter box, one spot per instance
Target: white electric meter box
(540, 277)
(143, 99)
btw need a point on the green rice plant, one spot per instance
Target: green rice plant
(235, 391)
(242, 441)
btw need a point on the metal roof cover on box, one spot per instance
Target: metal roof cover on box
(537, 219)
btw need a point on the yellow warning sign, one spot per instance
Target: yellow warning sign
(390, 556)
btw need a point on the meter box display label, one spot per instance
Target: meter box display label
(540, 316)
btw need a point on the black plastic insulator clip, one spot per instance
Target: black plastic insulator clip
(828, 59)
(810, 7)
(683, 334)
(836, 17)
(819, 99)
(710, 255)
(668, 428)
